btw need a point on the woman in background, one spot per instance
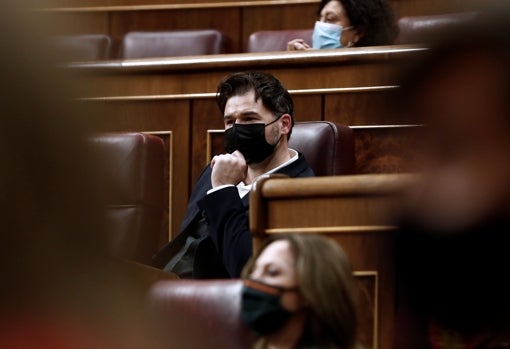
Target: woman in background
(350, 23)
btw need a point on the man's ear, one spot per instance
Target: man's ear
(286, 120)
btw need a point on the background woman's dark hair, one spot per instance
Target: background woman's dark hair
(374, 17)
(269, 89)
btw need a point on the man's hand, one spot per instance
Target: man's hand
(228, 169)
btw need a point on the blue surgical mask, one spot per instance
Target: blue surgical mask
(327, 35)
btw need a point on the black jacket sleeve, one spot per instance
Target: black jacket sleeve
(227, 217)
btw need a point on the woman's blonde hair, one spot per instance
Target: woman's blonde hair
(327, 286)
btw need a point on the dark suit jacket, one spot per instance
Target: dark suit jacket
(227, 244)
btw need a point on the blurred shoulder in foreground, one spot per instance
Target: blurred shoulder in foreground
(60, 286)
(451, 250)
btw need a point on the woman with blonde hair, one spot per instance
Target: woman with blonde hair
(299, 292)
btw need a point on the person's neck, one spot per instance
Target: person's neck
(279, 157)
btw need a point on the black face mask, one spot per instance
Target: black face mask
(250, 140)
(261, 308)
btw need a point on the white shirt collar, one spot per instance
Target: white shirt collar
(245, 188)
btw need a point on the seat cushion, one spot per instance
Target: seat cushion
(276, 40)
(327, 146)
(173, 43)
(83, 47)
(132, 166)
(419, 29)
(198, 314)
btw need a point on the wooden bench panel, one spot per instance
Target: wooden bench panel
(386, 148)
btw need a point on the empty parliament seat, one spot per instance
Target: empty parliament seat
(327, 146)
(276, 40)
(132, 184)
(173, 43)
(418, 29)
(87, 47)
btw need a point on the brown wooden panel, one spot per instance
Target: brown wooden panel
(150, 84)
(389, 149)
(206, 116)
(151, 116)
(363, 107)
(78, 23)
(307, 107)
(215, 143)
(338, 214)
(368, 292)
(144, 4)
(339, 74)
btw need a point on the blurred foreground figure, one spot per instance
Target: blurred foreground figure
(60, 289)
(299, 292)
(452, 249)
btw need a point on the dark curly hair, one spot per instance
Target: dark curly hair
(375, 18)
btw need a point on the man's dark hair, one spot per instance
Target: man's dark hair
(269, 89)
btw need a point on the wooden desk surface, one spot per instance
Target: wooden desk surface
(303, 71)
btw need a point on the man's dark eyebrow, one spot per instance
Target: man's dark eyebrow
(248, 113)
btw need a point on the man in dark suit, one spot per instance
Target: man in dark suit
(214, 239)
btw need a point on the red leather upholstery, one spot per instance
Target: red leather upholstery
(83, 47)
(173, 43)
(327, 146)
(133, 166)
(416, 29)
(276, 40)
(198, 314)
